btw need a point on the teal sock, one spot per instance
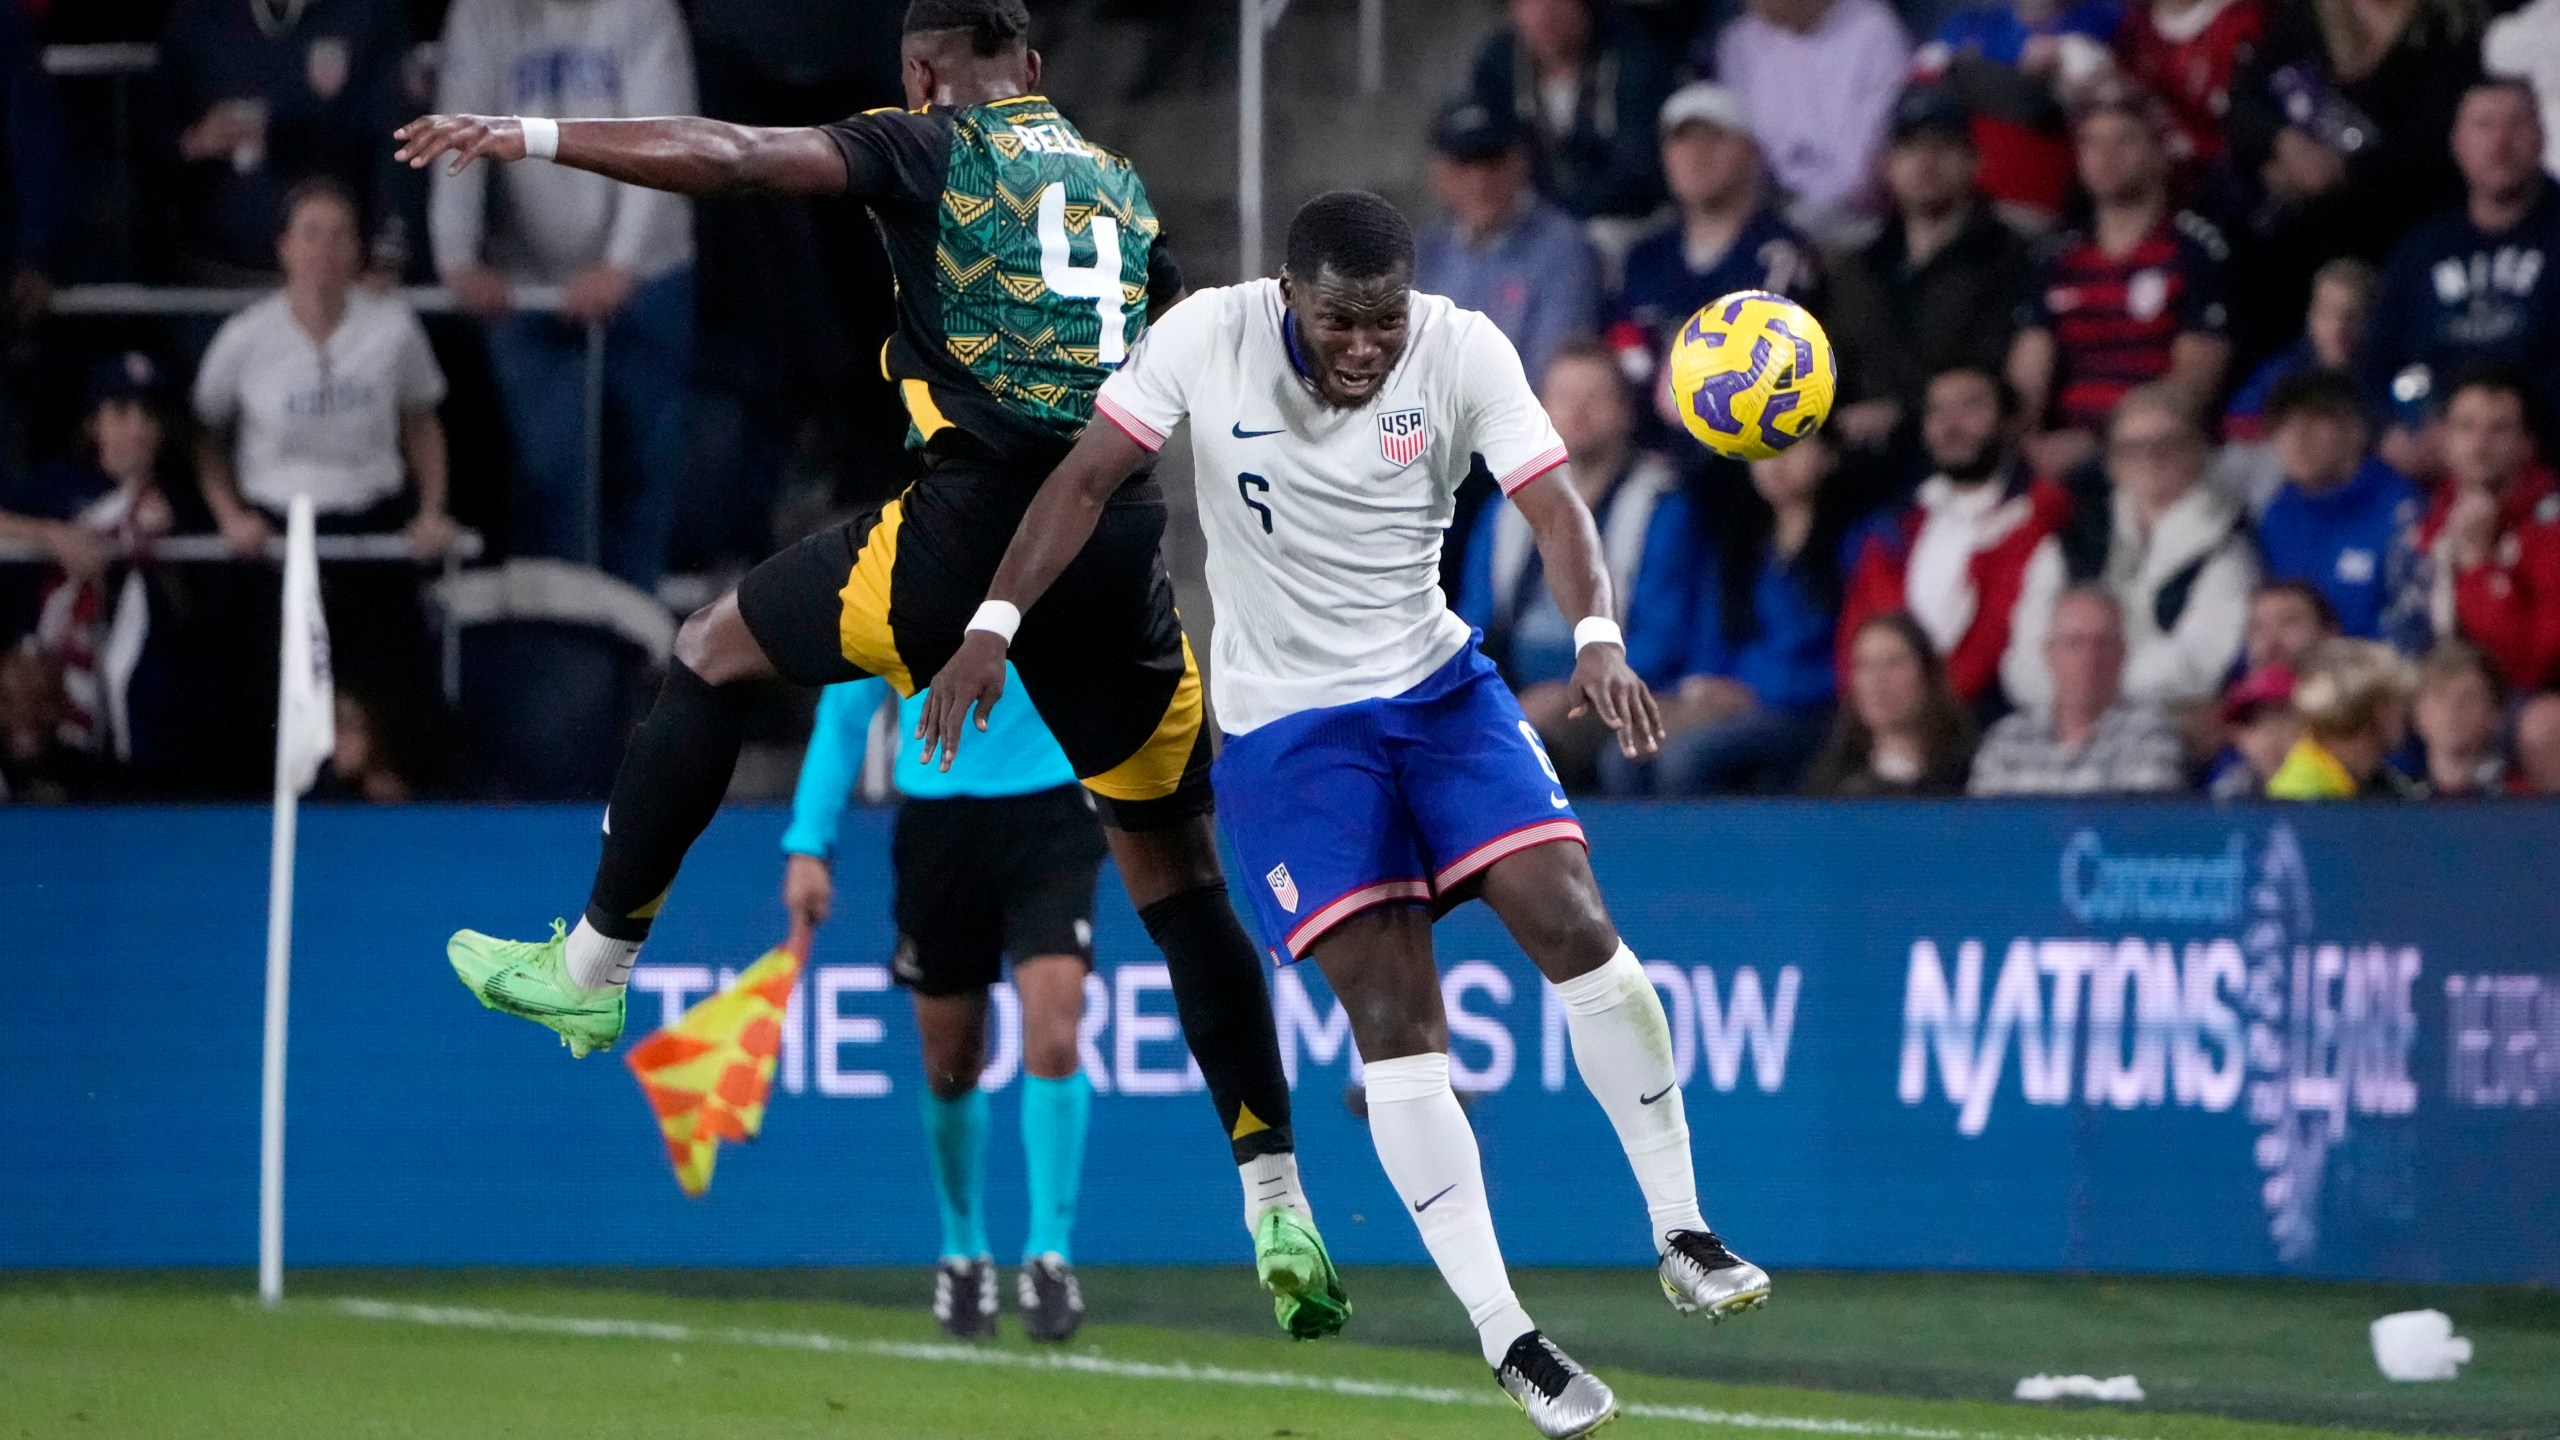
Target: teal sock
(955, 1135)
(1054, 1113)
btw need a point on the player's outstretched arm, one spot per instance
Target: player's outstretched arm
(1578, 578)
(1053, 531)
(685, 154)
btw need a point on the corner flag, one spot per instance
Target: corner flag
(306, 734)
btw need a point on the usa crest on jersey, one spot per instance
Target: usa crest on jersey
(1284, 888)
(1402, 436)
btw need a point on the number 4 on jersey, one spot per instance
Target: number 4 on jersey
(1098, 282)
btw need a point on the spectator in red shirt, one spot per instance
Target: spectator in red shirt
(2186, 52)
(1956, 557)
(2494, 535)
(2136, 298)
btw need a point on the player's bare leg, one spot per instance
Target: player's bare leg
(1622, 1044)
(1379, 963)
(1180, 890)
(671, 783)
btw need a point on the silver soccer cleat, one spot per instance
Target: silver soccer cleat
(1561, 1398)
(1698, 1273)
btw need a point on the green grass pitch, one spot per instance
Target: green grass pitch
(849, 1355)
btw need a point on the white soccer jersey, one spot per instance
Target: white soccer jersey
(1324, 525)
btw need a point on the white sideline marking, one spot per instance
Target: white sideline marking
(468, 1318)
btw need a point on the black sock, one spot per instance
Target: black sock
(670, 785)
(1226, 1016)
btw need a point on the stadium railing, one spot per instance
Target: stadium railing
(148, 300)
(333, 549)
(1257, 19)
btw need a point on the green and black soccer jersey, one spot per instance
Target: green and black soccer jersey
(1027, 260)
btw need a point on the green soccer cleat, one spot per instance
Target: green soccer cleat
(528, 979)
(1306, 1291)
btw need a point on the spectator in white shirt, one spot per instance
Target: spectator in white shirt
(1819, 79)
(322, 389)
(2174, 551)
(622, 255)
(330, 391)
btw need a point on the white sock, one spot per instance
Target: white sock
(1429, 1152)
(1271, 1183)
(1622, 1045)
(597, 961)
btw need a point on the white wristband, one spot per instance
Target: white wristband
(541, 137)
(1597, 630)
(998, 618)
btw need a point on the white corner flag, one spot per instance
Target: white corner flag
(306, 735)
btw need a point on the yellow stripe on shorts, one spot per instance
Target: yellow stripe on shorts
(1156, 770)
(862, 622)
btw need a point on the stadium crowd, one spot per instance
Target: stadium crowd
(2196, 359)
(2196, 363)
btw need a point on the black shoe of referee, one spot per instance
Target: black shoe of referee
(1052, 1302)
(964, 1298)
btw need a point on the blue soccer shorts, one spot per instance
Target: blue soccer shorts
(1333, 811)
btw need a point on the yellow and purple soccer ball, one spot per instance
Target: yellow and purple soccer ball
(1752, 374)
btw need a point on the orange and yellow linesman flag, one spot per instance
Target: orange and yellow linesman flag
(708, 1074)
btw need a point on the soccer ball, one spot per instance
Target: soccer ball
(1752, 374)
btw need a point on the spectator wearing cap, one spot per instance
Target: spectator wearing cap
(2085, 737)
(1579, 80)
(2478, 284)
(2493, 537)
(264, 94)
(622, 255)
(1725, 234)
(1818, 79)
(2343, 521)
(1956, 557)
(1901, 730)
(2286, 619)
(2459, 714)
(2259, 728)
(2173, 550)
(2017, 63)
(86, 509)
(1939, 287)
(1503, 249)
(2135, 298)
(2333, 331)
(1648, 535)
(2354, 699)
(2187, 54)
(107, 494)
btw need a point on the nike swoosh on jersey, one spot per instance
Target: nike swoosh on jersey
(1421, 1205)
(1241, 433)
(1558, 801)
(1656, 1095)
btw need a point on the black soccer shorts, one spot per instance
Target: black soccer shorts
(981, 880)
(1102, 656)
